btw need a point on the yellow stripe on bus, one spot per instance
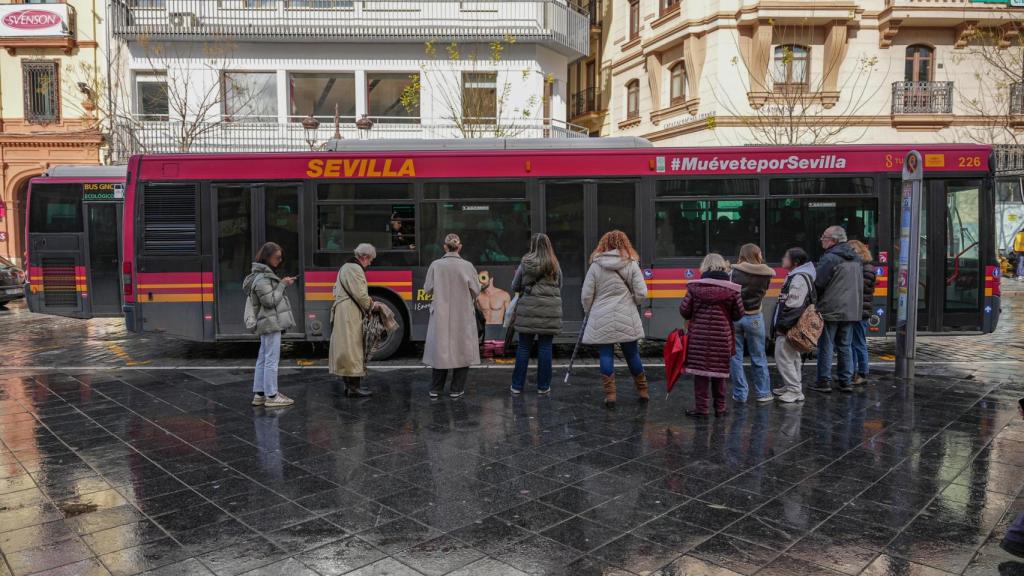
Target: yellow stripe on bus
(176, 298)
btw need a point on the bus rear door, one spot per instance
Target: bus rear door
(74, 232)
(576, 214)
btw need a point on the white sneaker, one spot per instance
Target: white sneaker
(258, 400)
(790, 397)
(779, 391)
(765, 399)
(279, 401)
(457, 394)
(514, 391)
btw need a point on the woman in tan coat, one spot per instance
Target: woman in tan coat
(452, 341)
(351, 302)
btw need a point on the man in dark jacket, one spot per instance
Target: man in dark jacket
(840, 286)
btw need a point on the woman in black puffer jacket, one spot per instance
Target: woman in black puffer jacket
(538, 313)
(860, 329)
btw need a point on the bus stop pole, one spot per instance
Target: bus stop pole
(909, 264)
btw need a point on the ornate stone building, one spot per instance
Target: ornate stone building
(49, 50)
(738, 72)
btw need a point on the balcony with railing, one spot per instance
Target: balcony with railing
(922, 105)
(593, 9)
(585, 102)
(911, 97)
(147, 136)
(559, 24)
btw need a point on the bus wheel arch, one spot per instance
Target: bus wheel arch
(394, 341)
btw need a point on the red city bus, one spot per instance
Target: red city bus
(73, 233)
(193, 222)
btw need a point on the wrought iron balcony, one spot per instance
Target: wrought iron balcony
(1017, 98)
(559, 24)
(145, 136)
(584, 102)
(910, 97)
(593, 8)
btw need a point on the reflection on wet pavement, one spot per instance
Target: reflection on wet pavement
(124, 471)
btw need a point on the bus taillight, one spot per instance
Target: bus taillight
(126, 278)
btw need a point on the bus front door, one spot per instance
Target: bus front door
(576, 214)
(951, 273)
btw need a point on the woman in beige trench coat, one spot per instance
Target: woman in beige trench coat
(452, 340)
(351, 302)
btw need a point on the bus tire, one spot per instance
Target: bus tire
(390, 346)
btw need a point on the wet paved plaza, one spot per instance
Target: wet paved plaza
(148, 464)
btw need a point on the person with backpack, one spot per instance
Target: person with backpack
(352, 302)
(796, 295)
(452, 343)
(538, 311)
(840, 286)
(612, 290)
(712, 305)
(860, 329)
(754, 277)
(268, 305)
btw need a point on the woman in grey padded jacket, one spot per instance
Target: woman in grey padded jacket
(612, 290)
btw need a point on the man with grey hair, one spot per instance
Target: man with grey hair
(840, 287)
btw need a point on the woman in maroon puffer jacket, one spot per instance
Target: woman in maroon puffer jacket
(711, 305)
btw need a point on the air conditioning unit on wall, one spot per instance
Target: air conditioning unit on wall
(183, 20)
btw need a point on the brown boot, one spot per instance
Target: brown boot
(640, 380)
(608, 383)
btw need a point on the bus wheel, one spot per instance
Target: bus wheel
(393, 342)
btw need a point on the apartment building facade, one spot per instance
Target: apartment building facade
(235, 75)
(48, 49)
(739, 72)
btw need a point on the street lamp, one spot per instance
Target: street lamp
(310, 125)
(364, 124)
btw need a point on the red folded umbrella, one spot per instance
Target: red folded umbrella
(675, 356)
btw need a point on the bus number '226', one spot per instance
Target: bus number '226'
(360, 168)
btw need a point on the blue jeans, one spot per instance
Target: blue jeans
(265, 379)
(836, 335)
(860, 348)
(750, 337)
(631, 350)
(1020, 264)
(544, 342)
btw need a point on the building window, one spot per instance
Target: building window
(480, 97)
(668, 5)
(318, 93)
(677, 83)
(633, 99)
(384, 97)
(919, 63)
(634, 19)
(791, 65)
(250, 96)
(41, 81)
(151, 102)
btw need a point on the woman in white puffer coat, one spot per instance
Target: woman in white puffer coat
(612, 290)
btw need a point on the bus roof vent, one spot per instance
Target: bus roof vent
(71, 171)
(488, 144)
